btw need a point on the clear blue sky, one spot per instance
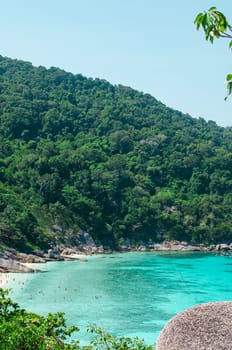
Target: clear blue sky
(149, 45)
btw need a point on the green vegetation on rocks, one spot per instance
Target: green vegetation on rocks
(82, 154)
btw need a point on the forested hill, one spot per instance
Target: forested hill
(79, 153)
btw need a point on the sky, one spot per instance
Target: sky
(149, 45)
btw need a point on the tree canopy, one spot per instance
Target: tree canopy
(82, 154)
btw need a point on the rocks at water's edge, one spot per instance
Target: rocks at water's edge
(10, 265)
(173, 246)
(11, 261)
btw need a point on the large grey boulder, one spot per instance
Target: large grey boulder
(10, 265)
(203, 327)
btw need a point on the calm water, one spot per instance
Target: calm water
(126, 294)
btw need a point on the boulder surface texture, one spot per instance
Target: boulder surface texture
(203, 327)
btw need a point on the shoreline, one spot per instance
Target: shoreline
(14, 262)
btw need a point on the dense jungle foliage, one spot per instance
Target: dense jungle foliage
(80, 153)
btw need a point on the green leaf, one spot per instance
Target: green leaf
(229, 77)
(213, 8)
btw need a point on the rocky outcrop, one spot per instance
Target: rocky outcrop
(10, 260)
(30, 258)
(126, 245)
(223, 247)
(68, 251)
(10, 265)
(177, 246)
(164, 246)
(87, 243)
(203, 327)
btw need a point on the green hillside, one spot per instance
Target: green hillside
(80, 153)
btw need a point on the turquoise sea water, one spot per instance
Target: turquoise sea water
(127, 294)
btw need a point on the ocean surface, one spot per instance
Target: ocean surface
(129, 294)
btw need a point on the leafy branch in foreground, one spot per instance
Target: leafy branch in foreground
(106, 341)
(22, 330)
(215, 25)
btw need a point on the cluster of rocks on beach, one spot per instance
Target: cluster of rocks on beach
(12, 261)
